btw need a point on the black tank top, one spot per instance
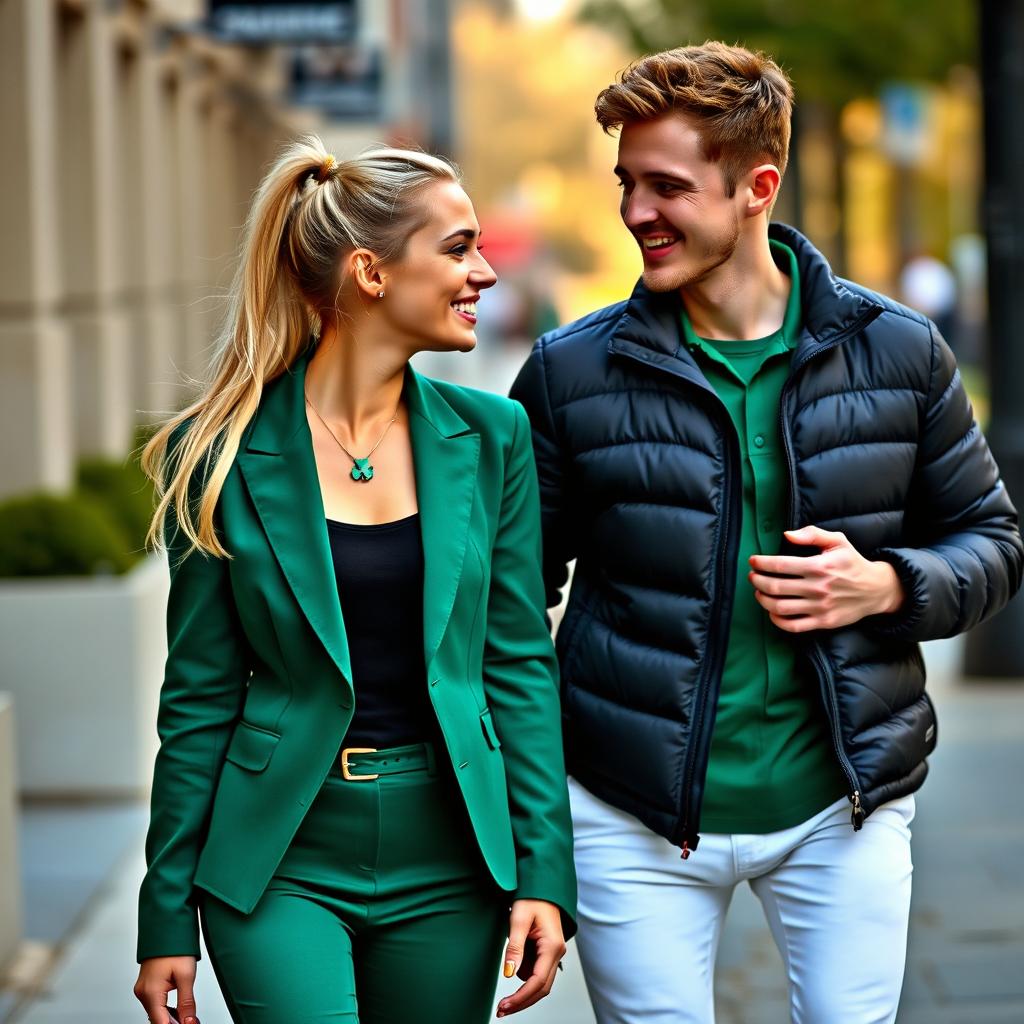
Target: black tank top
(379, 570)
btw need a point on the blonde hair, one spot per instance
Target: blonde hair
(741, 101)
(308, 211)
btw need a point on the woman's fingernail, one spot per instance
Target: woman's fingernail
(510, 968)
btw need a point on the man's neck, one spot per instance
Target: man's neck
(743, 299)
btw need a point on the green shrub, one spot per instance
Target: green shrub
(60, 535)
(123, 489)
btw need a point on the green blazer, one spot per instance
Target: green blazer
(257, 692)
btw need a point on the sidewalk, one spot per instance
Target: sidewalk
(967, 925)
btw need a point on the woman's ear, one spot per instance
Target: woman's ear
(363, 269)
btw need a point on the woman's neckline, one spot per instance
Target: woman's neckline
(372, 526)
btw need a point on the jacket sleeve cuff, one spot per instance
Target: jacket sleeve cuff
(553, 886)
(168, 934)
(912, 621)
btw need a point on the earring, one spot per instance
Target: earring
(380, 294)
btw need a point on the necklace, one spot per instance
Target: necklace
(361, 469)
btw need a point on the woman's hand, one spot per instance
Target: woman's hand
(535, 948)
(157, 976)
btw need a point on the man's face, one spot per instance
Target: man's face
(674, 203)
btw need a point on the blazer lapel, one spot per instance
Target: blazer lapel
(445, 454)
(279, 470)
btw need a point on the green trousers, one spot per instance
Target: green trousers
(382, 910)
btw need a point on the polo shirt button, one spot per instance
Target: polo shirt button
(759, 440)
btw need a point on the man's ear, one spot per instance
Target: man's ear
(762, 184)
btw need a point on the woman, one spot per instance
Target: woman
(360, 767)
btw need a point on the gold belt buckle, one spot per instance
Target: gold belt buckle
(346, 772)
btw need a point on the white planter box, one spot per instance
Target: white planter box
(10, 876)
(84, 659)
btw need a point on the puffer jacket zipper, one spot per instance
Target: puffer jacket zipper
(685, 834)
(818, 660)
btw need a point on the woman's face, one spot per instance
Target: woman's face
(431, 291)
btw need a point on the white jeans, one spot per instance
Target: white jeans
(837, 902)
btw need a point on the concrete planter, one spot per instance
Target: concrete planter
(83, 658)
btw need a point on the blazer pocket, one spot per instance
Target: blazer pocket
(488, 726)
(251, 747)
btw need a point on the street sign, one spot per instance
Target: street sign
(344, 82)
(265, 22)
(908, 123)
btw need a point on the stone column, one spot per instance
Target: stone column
(89, 237)
(131, 166)
(34, 354)
(224, 213)
(161, 343)
(190, 109)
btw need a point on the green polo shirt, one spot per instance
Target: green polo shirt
(772, 764)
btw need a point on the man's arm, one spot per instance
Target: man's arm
(531, 389)
(968, 561)
(964, 556)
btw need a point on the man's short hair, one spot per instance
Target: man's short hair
(741, 102)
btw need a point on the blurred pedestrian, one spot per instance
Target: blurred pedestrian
(773, 487)
(360, 782)
(929, 286)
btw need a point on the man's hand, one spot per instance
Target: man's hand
(835, 588)
(535, 947)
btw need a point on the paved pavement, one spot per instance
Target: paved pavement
(966, 956)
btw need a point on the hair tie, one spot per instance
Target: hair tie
(328, 165)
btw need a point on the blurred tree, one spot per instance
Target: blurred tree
(833, 50)
(530, 148)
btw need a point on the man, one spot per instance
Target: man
(773, 487)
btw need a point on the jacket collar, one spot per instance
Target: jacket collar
(280, 472)
(282, 412)
(651, 328)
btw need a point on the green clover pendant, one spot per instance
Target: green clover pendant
(362, 470)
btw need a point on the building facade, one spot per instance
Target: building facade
(134, 138)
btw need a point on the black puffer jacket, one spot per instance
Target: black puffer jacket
(640, 482)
